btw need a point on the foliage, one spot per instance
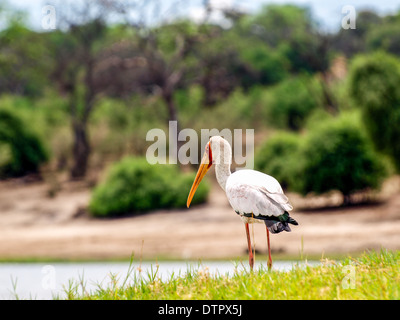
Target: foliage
(374, 81)
(373, 32)
(384, 35)
(277, 157)
(25, 63)
(292, 31)
(279, 22)
(26, 150)
(119, 126)
(134, 185)
(254, 70)
(334, 154)
(376, 276)
(350, 43)
(385, 38)
(222, 64)
(239, 109)
(269, 65)
(292, 100)
(337, 155)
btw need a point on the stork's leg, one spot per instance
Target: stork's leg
(269, 252)
(251, 258)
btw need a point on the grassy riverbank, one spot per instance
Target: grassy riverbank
(373, 275)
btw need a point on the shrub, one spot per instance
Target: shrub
(276, 157)
(270, 66)
(374, 82)
(337, 155)
(133, 185)
(292, 101)
(26, 150)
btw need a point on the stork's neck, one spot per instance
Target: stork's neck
(221, 153)
(223, 163)
(222, 172)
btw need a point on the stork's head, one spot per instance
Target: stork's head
(217, 150)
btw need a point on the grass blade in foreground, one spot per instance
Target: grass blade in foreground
(375, 275)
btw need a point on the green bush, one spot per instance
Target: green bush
(276, 158)
(292, 101)
(385, 37)
(270, 66)
(26, 151)
(374, 85)
(337, 155)
(133, 185)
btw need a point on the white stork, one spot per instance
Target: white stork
(256, 197)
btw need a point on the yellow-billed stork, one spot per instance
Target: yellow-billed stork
(255, 196)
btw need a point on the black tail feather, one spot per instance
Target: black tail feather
(292, 221)
(275, 224)
(277, 227)
(281, 225)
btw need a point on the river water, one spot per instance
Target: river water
(49, 280)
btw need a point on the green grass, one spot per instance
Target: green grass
(373, 275)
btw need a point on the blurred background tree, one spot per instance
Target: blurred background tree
(374, 85)
(385, 36)
(118, 69)
(351, 42)
(77, 57)
(25, 62)
(293, 100)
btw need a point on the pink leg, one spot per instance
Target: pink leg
(251, 258)
(269, 252)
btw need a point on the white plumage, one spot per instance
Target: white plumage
(255, 196)
(251, 191)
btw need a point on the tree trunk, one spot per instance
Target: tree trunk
(173, 116)
(81, 150)
(329, 100)
(172, 113)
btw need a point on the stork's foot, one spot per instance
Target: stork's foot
(269, 264)
(251, 261)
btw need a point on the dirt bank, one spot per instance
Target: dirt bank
(35, 225)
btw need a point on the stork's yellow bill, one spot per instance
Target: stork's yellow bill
(206, 163)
